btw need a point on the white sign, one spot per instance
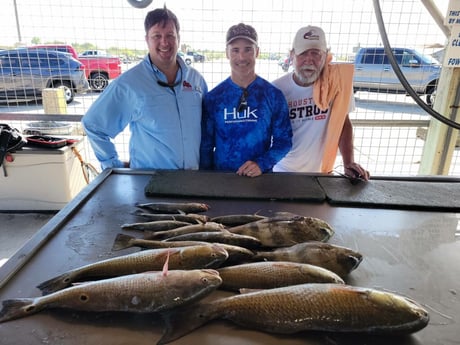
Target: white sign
(452, 58)
(453, 13)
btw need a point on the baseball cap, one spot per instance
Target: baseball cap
(242, 31)
(309, 37)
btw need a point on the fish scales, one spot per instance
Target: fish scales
(155, 225)
(139, 293)
(315, 307)
(187, 229)
(275, 232)
(193, 257)
(174, 207)
(268, 275)
(338, 259)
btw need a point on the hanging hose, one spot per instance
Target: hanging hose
(402, 78)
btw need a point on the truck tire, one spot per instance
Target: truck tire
(98, 81)
(188, 61)
(140, 3)
(430, 95)
(68, 91)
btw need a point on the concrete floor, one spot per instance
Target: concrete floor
(16, 229)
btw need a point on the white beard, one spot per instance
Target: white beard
(300, 76)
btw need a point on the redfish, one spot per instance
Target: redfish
(306, 307)
(139, 293)
(269, 275)
(193, 257)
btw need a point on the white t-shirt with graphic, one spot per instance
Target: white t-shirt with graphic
(309, 125)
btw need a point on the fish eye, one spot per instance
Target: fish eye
(204, 280)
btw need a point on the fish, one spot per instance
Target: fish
(181, 217)
(304, 307)
(157, 225)
(273, 274)
(284, 232)
(187, 229)
(338, 259)
(138, 293)
(231, 220)
(192, 257)
(174, 207)
(236, 254)
(219, 237)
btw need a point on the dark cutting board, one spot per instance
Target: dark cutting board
(403, 194)
(230, 185)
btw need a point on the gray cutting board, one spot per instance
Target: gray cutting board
(230, 185)
(403, 194)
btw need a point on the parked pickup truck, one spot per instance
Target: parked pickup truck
(99, 69)
(373, 72)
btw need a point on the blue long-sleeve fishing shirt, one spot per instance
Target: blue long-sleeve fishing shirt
(165, 122)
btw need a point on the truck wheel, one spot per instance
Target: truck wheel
(98, 81)
(430, 95)
(188, 61)
(69, 94)
(140, 3)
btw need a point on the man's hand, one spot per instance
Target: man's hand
(250, 169)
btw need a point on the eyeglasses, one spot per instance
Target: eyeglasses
(243, 105)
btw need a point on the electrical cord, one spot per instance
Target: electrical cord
(402, 78)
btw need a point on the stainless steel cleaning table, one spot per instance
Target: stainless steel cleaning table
(414, 252)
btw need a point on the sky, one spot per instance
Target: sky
(109, 23)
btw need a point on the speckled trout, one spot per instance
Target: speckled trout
(276, 232)
(139, 293)
(315, 307)
(182, 258)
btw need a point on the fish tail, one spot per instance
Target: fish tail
(17, 308)
(181, 321)
(55, 284)
(122, 241)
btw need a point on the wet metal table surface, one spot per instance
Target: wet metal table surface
(412, 253)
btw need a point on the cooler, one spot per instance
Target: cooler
(41, 178)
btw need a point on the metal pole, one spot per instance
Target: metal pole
(18, 27)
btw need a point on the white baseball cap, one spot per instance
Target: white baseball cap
(309, 37)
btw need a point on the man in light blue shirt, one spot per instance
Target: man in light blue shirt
(160, 99)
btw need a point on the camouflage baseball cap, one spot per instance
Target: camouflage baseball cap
(242, 31)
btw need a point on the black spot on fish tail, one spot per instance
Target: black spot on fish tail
(55, 284)
(17, 308)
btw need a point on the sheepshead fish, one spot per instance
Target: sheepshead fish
(236, 254)
(269, 275)
(296, 308)
(139, 293)
(174, 207)
(338, 259)
(193, 257)
(155, 225)
(284, 232)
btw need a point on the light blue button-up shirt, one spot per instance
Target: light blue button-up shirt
(165, 122)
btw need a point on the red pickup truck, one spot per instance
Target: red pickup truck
(99, 69)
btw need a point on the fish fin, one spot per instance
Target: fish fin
(122, 241)
(181, 212)
(17, 308)
(165, 266)
(181, 321)
(54, 284)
